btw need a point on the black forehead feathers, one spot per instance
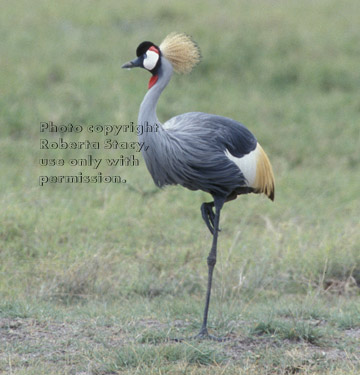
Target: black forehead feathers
(144, 46)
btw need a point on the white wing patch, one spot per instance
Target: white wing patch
(151, 59)
(246, 164)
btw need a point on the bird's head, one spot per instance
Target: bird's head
(182, 52)
(148, 57)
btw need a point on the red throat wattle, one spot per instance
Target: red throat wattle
(152, 81)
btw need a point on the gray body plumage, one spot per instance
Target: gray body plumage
(189, 149)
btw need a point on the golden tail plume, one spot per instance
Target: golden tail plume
(264, 180)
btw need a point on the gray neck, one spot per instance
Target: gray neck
(147, 113)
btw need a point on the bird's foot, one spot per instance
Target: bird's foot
(205, 335)
(208, 216)
(202, 335)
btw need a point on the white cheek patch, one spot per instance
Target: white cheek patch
(151, 60)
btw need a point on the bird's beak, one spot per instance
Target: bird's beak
(133, 63)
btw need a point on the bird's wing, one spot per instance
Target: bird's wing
(200, 143)
(215, 154)
(218, 131)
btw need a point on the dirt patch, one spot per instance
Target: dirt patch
(25, 341)
(353, 333)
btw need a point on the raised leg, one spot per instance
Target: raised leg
(211, 261)
(208, 215)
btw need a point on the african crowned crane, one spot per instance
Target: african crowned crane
(197, 150)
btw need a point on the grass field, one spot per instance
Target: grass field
(98, 278)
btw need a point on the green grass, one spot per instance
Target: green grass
(97, 279)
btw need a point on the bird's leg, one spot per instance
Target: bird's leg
(211, 261)
(208, 215)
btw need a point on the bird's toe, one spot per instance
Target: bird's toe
(205, 335)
